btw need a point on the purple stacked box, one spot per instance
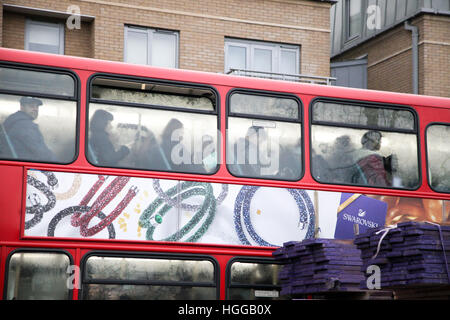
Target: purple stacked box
(411, 254)
(319, 265)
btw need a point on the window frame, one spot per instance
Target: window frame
(29, 22)
(366, 104)
(148, 255)
(427, 158)
(349, 37)
(247, 259)
(34, 250)
(75, 98)
(250, 45)
(150, 32)
(172, 83)
(273, 51)
(271, 94)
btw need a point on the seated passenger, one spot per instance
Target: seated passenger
(236, 159)
(392, 168)
(370, 162)
(290, 162)
(175, 155)
(206, 160)
(149, 154)
(320, 166)
(340, 161)
(25, 135)
(247, 155)
(99, 138)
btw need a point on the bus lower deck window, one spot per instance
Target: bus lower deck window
(252, 280)
(148, 278)
(37, 276)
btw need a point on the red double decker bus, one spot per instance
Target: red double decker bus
(123, 181)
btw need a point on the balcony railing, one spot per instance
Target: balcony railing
(283, 76)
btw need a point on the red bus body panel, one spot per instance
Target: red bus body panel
(13, 174)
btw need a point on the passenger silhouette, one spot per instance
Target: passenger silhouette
(25, 135)
(99, 139)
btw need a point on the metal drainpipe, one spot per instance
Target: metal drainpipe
(415, 56)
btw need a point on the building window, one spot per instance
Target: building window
(261, 56)
(44, 37)
(151, 46)
(353, 14)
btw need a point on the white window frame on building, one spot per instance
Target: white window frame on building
(45, 40)
(276, 50)
(149, 34)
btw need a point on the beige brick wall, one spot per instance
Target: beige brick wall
(202, 25)
(436, 55)
(13, 30)
(78, 42)
(390, 58)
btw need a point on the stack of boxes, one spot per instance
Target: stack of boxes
(413, 253)
(411, 259)
(318, 266)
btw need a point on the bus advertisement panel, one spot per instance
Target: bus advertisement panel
(90, 206)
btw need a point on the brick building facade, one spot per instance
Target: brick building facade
(388, 49)
(201, 28)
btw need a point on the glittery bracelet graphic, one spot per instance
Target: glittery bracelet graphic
(38, 209)
(88, 232)
(75, 220)
(110, 192)
(76, 184)
(185, 206)
(52, 181)
(242, 206)
(187, 190)
(72, 210)
(82, 221)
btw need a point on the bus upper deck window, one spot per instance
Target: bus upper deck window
(35, 105)
(264, 136)
(152, 126)
(25, 80)
(438, 155)
(364, 145)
